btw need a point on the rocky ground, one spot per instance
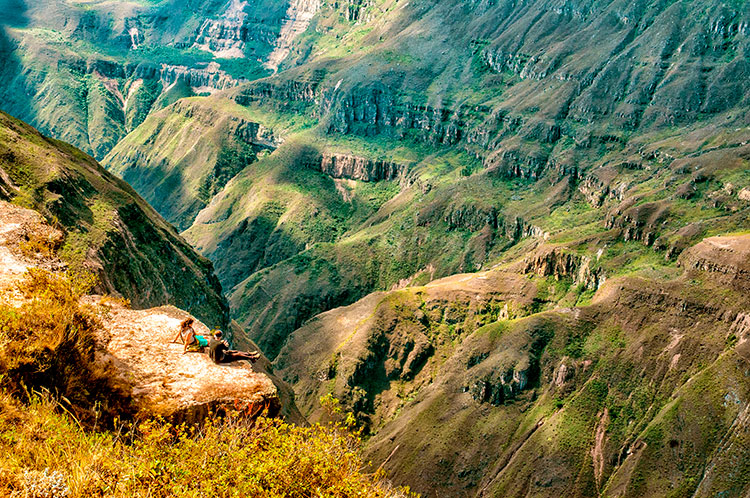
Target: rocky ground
(166, 382)
(17, 227)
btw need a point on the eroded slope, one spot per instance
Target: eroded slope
(427, 139)
(476, 392)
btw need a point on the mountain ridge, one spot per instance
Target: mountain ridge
(509, 237)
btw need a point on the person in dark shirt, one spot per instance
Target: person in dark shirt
(219, 352)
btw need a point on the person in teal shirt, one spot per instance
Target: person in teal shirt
(193, 342)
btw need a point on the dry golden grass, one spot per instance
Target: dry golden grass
(47, 453)
(47, 341)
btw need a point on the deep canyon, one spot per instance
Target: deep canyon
(511, 238)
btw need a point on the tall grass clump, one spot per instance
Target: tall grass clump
(47, 343)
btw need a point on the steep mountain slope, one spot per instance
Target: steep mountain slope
(479, 125)
(183, 140)
(474, 390)
(570, 152)
(108, 228)
(89, 73)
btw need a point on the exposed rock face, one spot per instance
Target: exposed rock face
(460, 215)
(19, 226)
(516, 164)
(298, 17)
(353, 10)
(371, 110)
(552, 262)
(200, 79)
(7, 189)
(725, 260)
(498, 387)
(359, 168)
(597, 186)
(224, 37)
(641, 222)
(557, 262)
(278, 93)
(166, 382)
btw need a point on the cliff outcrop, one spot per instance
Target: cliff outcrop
(136, 345)
(641, 222)
(200, 79)
(298, 16)
(224, 37)
(725, 260)
(131, 356)
(363, 169)
(559, 263)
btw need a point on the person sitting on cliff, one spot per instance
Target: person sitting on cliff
(186, 334)
(219, 352)
(185, 327)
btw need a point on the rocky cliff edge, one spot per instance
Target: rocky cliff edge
(134, 345)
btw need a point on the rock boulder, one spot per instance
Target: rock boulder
(166, 382)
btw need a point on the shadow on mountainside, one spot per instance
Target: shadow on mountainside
(13, 13)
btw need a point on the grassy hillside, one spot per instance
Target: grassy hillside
(108, 228)
(566, 153)
(89, 73)
(498, 138)
(515, 382)
(195, 151)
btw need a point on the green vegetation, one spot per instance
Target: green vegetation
(99, 215)
(57, 403)
(79, 243)
(573, 174)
